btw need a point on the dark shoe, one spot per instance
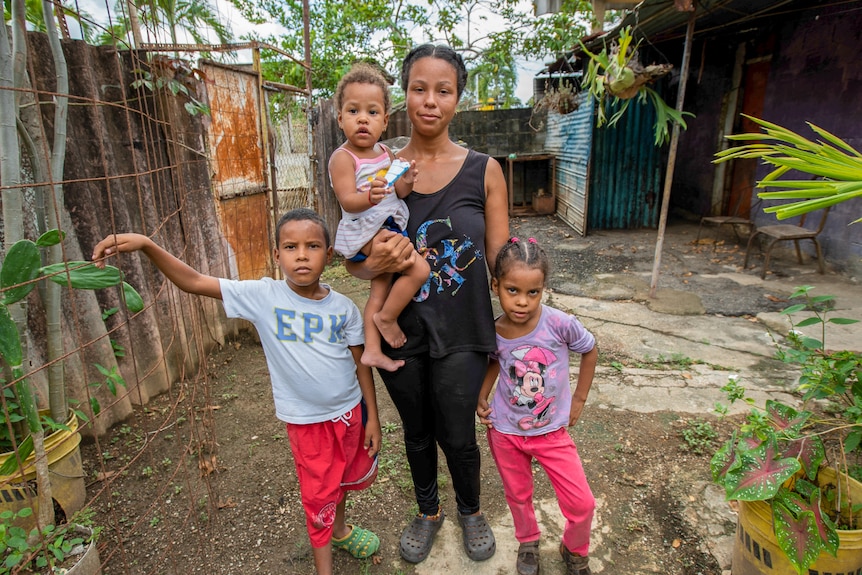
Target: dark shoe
(418, 536)
(478, 538)
(575, 564)
(528, 558)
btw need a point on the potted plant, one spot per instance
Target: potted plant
(791, 470)
(23, 425)
(69, 548)
(616, 76)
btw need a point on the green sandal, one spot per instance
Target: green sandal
(361, 543)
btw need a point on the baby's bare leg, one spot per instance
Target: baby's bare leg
(402, 291)
(373, 356)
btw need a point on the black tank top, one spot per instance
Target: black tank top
(452, 311)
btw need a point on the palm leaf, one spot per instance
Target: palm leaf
(835, 166)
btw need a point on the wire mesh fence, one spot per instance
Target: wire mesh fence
(199, 157)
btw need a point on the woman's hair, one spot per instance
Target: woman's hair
(362, 73)
(431, 51)
(300, 215)
(529, 253)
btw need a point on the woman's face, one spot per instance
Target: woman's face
(432, 95)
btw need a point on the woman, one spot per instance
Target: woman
(458, 221)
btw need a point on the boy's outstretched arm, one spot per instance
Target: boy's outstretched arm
(373, 435)
(180, 274)
(586, 371)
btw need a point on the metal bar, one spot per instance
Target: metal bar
(221, 48)
(284, 87)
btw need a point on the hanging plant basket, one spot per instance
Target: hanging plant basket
(625, 83)
(617, 73)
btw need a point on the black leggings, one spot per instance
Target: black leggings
(436, 399)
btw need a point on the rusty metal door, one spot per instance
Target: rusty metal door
(238, 164)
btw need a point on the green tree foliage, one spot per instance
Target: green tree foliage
(195, 17)
(384, 31)
(35, 20)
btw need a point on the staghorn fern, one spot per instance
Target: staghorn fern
(617, 75)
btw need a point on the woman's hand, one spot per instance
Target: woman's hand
(391, 252)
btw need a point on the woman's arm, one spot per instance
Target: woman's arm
(390, 253)
(496, 211)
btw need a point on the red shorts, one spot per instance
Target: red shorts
(330, 459)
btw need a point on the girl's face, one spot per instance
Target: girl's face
(520, 291)
(362, 116)
(432, 95)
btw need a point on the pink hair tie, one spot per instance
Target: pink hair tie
(532, 240)
(513, 240)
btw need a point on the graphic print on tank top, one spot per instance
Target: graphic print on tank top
(447, 260)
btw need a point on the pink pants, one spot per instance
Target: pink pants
(557, 454)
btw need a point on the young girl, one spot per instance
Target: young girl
(532, 406)
(356, 170)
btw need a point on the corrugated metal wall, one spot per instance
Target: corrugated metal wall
(569, 138)
(625, 181)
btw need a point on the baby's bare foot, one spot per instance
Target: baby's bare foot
(390, 330)
(380, 361)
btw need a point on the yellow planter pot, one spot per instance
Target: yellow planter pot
(65, 468)
(756, 550)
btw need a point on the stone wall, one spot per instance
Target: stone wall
(497, 133)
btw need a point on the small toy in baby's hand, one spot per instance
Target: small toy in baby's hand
(396, 170)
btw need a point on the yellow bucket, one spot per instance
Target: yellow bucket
(756, 550)
(66, 471)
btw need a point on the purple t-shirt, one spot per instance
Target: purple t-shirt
(533, 396)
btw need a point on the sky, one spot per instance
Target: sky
(239, 26)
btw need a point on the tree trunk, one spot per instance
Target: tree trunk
(56, 382)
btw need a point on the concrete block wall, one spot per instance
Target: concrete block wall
(497, 133)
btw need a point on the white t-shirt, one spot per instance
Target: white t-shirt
(306, 346)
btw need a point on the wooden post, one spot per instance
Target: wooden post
(671, 162)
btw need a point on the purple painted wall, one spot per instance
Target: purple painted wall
(815, 76)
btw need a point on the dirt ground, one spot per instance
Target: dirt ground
(239, 512)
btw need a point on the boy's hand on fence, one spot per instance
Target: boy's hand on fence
(115, 244)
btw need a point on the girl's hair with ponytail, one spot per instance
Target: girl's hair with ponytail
(529, 253)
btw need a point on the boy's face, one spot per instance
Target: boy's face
(362, 116)
(302, 255)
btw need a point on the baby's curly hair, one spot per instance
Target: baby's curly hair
(362, 73)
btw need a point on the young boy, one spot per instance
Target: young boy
(312, 337)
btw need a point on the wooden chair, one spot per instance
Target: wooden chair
(787, 232)
(735, 221)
